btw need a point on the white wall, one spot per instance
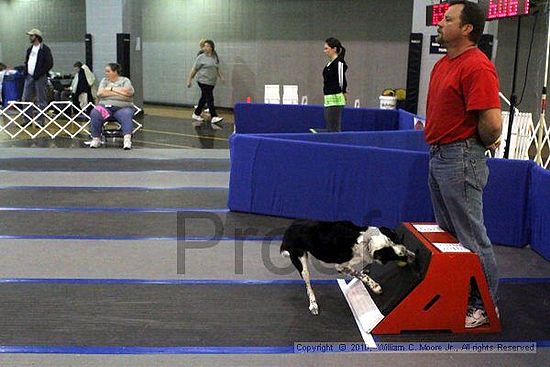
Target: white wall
(115, 16)
(65, 54)
(103, 22)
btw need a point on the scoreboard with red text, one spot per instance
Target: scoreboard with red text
(495, 9)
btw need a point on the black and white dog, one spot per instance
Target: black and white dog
(343, 244)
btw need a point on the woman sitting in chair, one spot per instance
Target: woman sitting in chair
(115, 94)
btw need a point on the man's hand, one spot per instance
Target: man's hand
(489, 127)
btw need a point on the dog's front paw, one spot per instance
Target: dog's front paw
(376, 288)
(411, 257)
(313, 308)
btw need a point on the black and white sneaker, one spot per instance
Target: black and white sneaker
(216, 123)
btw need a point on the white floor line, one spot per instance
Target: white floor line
(367, 337)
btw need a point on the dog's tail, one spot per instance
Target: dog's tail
(285, 249)
(290, 252)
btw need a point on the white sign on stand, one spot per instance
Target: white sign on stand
(425, 228)
(450, 247)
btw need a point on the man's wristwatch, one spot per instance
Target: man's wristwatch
(494, 145)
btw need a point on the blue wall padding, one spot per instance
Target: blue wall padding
(369, 119)
(404, 140)
(539, 211)
(252, 118)
(406, 120)
(353, 176)
(366, 185)
(505, 201)
(265, 118)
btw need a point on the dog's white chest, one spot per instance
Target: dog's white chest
(361, 253)
(367, 243)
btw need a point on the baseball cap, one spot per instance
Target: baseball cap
(35, 32)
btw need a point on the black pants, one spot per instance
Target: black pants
(207, 98)
(333, 118)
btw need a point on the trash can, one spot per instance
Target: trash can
(12, 88)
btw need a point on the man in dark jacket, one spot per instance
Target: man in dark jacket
(38, 62)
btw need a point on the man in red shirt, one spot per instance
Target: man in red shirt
(463, 121)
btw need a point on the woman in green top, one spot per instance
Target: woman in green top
(335, 84)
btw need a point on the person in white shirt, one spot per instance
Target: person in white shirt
(38, 62)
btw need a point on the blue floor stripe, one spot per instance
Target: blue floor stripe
(165, 281)
(111, 188)
(540, 343)
(221, 170)
(208, 281)
(525, 280)
(43, 349)
(140, 238)
(105, 209)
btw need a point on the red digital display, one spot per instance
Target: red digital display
(495, 9)
(507, 8)
(438, 12)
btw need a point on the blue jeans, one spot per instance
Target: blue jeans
(35, 89)
(458, 175)
(122, 114)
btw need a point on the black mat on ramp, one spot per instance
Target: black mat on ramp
(398, 282)
(171, 315)
(112, 164)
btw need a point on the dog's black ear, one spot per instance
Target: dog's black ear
(385, 255)
(391, 234)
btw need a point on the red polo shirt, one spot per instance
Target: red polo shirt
(459, 88)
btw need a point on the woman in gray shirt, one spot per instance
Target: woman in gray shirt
(115, 95)
(207, 71)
